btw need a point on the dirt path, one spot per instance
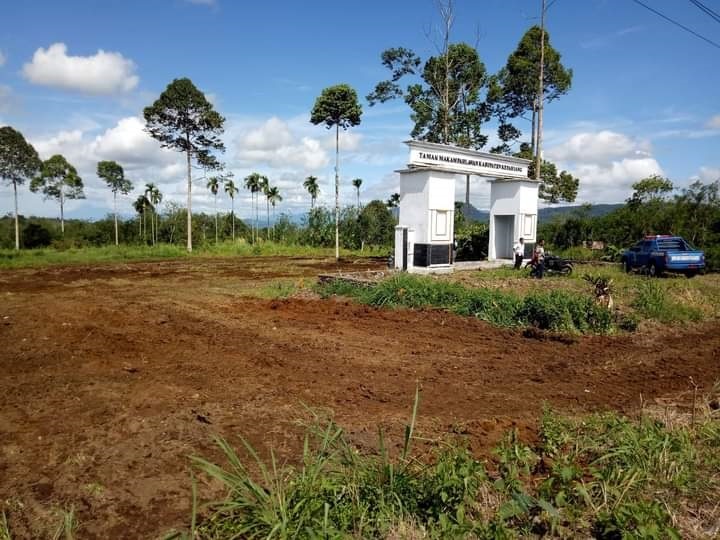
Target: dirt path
(112, 375)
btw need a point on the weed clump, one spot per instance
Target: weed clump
(602, 476)
(557, 311)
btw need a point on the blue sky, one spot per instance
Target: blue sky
(644, 96)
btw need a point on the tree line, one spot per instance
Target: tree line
(656, 206)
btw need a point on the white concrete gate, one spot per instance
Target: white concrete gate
(425, 232)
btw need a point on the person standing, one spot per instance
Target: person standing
(540, 257)
(519, 251)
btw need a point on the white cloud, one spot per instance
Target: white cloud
(611, 183)
(598, 147)
(606, 162)
(708, 174)
(102, 73)
(129, 144)
(714, 122)
(3, 59)
(273, 143)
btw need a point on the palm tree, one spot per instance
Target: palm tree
(357, 183)
(232, 190)
(139, 206)
(149, 188)
(253, 182)
(274, 197)
(214, 186)
(156, 198)
(311, 184)
(265, 188)
(393, 201)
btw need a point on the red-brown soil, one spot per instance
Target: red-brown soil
(112, 375)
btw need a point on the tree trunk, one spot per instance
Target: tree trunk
(152, 226)
(117, 242)
(17, 223)
(144, 227)
(216, 221)
(157, 227)
(533, 135)
(62, 213)
(337, 192)
(538, 157)
(267, 233)
(189, 202)
(232, 216)
(467, 190)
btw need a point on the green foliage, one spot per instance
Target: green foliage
(516, 86)
(558, 311)
(653, 302)
(601, 476)
(445, 96)
(114, 177)
(58, 180)
(312, 187)
(377, 224)
(337, 106)
(18, 159)
(182, 119)
(471, 240)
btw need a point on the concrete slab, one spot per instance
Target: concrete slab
(482, 265)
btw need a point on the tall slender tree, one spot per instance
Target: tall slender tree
(149, 188)
(213, 185)
(253, 183)
(114, 177)
(18, 162)
(338, 107)
(182, 119)
(357, 182)
(446, 93)
(60, 181)
(312, 187)
(274, 197)
(265, 189)
(516, 89)
(156, 198)
(231, 190)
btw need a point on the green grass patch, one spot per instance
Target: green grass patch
(602, 476)
(559, 311)
(124, 253)
(654, 301)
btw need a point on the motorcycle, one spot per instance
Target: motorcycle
(553, 265)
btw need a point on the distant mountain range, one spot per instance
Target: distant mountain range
(544, 214)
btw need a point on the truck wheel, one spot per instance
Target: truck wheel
(653, 270)
(690, 274)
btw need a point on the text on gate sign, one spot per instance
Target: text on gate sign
(469, 162)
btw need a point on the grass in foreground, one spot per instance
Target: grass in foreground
(555, 310)
(47, 257)
(602, 476)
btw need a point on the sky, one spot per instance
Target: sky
(76, 75)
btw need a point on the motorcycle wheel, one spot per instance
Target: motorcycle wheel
(566, 270)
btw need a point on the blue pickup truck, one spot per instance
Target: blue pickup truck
(661, 253)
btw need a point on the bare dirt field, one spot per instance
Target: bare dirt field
(112, 375)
